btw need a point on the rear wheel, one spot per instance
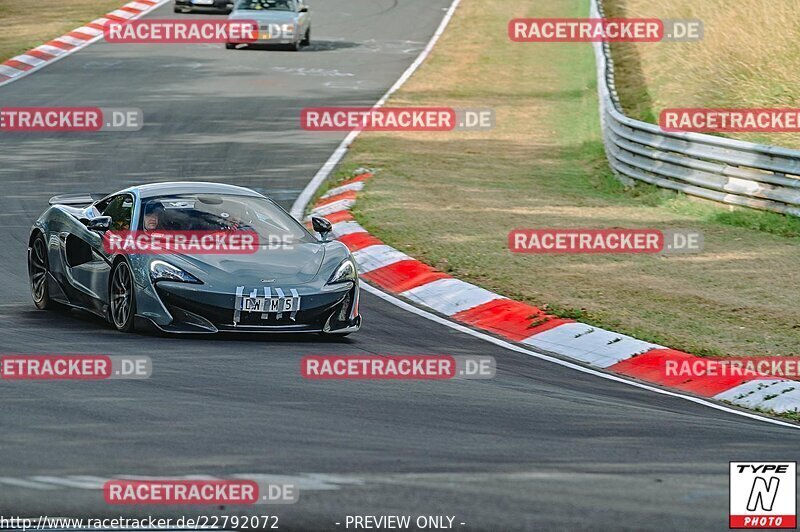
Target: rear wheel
(122, 299)
(38, 267)
(230, 46)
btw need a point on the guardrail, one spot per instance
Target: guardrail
(715, 168)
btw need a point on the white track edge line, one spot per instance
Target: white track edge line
(299, 205)
(68, 53)
(536, 354)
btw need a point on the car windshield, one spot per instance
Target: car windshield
(221, 212)
(266, 5)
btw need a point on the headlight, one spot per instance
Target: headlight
(164, 271)
(346, 271)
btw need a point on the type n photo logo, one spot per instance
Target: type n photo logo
(763, 495)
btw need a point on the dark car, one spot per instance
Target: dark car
(291, 282)
(204, 6)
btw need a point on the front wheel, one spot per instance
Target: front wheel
(122, 298)
(38, 268)
(307, 39)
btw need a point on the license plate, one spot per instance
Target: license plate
(270, 304)
(203, 2)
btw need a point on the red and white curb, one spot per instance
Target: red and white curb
(402, 275)
(69, 43)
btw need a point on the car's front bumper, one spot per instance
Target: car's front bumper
(272, 42)
(195, 310)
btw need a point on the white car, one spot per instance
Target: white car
(280, 22)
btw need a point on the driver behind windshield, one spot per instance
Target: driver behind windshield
(222, 213)
(152, 216)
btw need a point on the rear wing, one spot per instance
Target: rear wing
(76, 200)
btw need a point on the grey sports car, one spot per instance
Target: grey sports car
(291, 281)
(280, 22)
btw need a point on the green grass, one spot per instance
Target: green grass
(788, 416)
(26, 25)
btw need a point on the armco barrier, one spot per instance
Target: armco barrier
(715, 168)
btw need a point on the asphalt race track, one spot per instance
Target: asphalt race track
(539, 447)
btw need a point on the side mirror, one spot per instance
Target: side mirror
(321, 225)
(101, 224)
(304, 9)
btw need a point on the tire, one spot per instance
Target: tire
(38, 267)
(295, 46)
(307, 39)
(122, 298)
(230, 46)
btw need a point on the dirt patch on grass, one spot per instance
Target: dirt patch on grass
(451, 199)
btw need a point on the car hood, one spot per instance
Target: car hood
(298, 264)
(265, 17)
